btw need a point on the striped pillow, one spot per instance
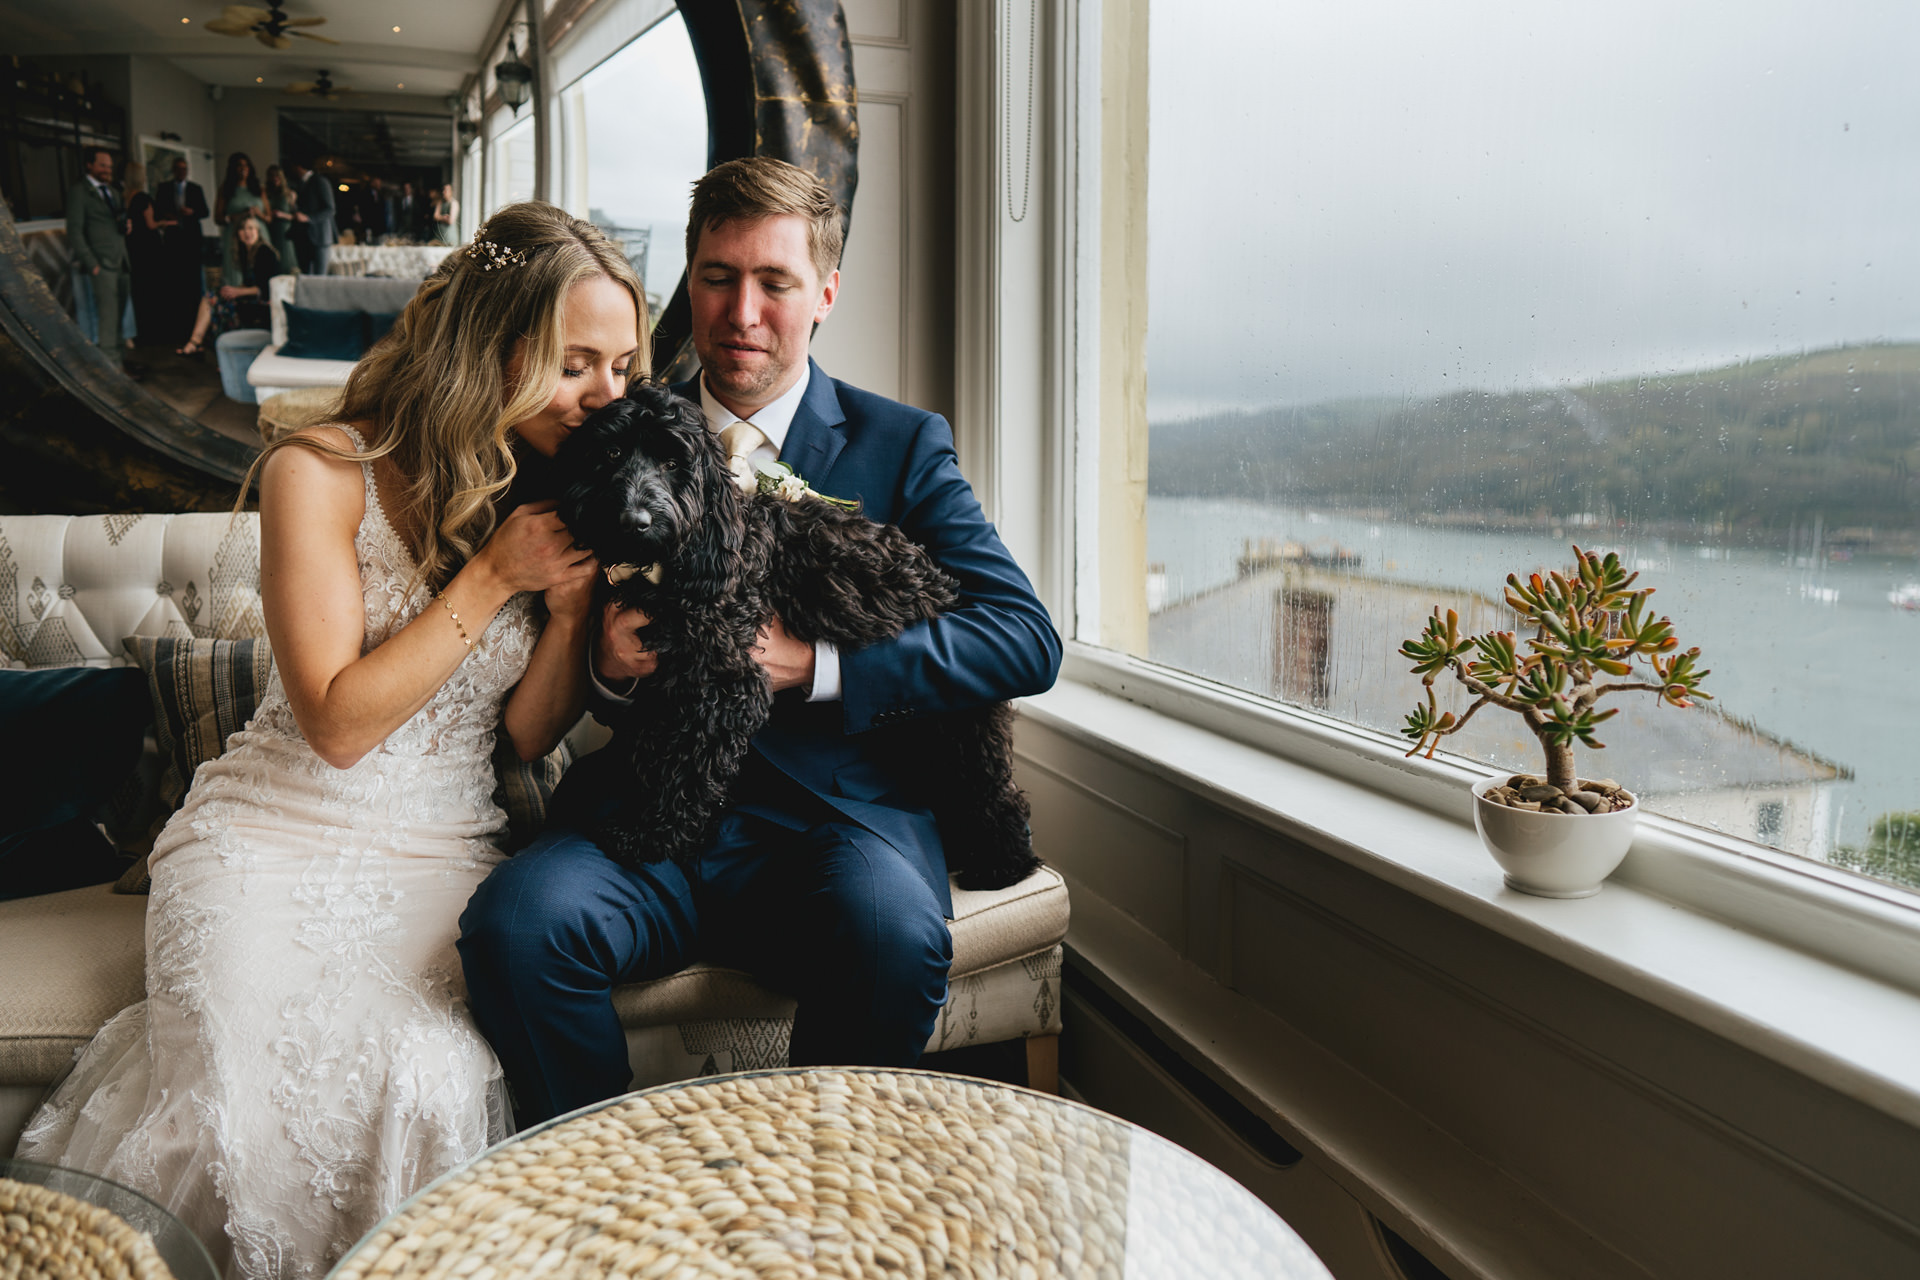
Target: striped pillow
(203, 692)
(524, 789)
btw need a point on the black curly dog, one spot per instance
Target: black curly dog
(644, 484)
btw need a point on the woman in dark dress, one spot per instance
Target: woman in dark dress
(238, 198)
(146, 261)
(243, 304)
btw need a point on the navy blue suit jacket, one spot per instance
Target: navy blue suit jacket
(998, 643)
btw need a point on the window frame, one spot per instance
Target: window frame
(1813, 907)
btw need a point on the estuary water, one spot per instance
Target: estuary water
(1808, 648)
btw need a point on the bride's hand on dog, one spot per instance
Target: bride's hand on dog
(622, 652)
(573, 598)
(532, 551)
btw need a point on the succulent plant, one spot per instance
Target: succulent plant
(1589, 631)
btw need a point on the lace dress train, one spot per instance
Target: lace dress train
(304, 1059)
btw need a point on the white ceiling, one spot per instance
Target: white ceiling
(437, 47)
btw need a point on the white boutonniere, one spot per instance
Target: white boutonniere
(778, 480)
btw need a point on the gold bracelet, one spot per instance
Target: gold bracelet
(465, 639)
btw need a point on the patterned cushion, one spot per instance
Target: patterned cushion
(525, 787)
(203, 692)
(68, 581)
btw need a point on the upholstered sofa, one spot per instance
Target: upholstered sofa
(271, 371)
(71, 588)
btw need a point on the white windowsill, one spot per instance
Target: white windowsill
(1819, 976)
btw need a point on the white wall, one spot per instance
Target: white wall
(892, 332)
(246, 120)
(165, 99)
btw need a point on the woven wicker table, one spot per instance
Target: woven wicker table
(64, 1223)
(292, 410)
(834, 1172)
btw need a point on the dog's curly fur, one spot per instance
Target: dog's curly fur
(643, 482)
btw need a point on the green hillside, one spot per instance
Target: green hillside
(1830, 436)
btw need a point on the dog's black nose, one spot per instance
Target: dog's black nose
(636, 519)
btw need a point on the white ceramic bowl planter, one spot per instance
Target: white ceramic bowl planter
(1552, 855)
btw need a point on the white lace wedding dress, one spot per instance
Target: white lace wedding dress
(304, 1059)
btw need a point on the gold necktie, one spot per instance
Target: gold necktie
(742, 438)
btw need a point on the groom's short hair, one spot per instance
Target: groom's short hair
(761, 187)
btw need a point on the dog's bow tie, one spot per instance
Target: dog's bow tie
(619, 573)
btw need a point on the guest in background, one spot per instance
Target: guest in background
(313, 204)
(279, 213)
(240, 303)
(97, 239)
(181, 204)
(238, 198)
(379, 212)
(146, 256)
(407, 214)
(446, 217)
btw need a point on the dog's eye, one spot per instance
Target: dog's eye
(669, 464)
(613, 453)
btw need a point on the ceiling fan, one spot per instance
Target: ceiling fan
(270, 25)
(322, 86)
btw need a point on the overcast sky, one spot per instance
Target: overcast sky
(1398, 197)
(647, 142)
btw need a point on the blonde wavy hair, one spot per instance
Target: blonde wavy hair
(437, 394)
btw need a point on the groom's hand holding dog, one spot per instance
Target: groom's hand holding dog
(621, 655)
(825, 875)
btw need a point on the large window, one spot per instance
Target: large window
(636, 143)
(1435, 291)
(510, 164)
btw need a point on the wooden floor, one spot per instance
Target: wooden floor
(191, 385)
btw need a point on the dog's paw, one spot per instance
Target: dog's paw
(623, 844)
(1001, 873)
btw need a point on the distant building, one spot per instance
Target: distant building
(1298, 627)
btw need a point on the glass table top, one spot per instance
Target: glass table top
(178, 1247)
(837, 1170)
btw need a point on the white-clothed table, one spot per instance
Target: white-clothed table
(399, 261)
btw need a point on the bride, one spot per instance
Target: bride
(304, 1059)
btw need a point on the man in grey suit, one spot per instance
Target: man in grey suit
(97, 239)
(313, 205)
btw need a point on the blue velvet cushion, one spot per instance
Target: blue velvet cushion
(378, 323)
(74, 736)
(325, 335)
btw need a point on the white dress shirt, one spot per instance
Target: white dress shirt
(773, 422)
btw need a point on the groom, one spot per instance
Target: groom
(823, 880)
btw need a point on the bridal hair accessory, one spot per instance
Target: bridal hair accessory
(495, 255)
(778, 480)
